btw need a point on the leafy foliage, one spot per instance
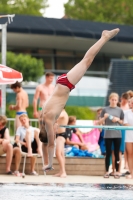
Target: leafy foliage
(25, 7)
(30, 67)
(81, 112)
(113, 11)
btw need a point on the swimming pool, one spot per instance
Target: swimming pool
(60, 191)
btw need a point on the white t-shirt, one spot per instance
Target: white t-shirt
(128, 119)
(21, 132)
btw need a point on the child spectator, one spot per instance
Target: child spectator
(27, 136)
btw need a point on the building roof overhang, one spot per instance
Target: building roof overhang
(66, 34)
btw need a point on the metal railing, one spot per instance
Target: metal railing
(11, 127)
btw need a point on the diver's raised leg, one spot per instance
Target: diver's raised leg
(78, 71)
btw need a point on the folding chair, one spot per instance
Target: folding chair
(24, 154)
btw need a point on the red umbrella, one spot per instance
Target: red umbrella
(9, 75)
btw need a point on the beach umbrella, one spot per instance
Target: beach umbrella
(9, 75)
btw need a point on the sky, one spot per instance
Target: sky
(55, 9)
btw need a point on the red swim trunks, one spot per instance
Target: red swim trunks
(64, 81)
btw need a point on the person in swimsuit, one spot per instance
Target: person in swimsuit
(60, 143)
(65, 83)
(22, 102)
(43, 92)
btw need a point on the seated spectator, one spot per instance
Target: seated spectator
(5, 145)
(17, 160)
(75, 141)
(27, 136)
(84, 141)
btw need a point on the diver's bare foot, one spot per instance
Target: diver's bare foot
(63, 175)
(57, 175)
(110, 34)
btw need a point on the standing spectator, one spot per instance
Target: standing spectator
(128, 121)
(43, 92)
(124, 106)
(60, 143)
(124, 101)
(130, 93)
(129, 103)
(22, 102)
(5, 145)
(113, 116)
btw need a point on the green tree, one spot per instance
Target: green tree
(25, 7)
(30, 67)
(111, 11)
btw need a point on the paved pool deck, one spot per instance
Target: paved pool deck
(69, 179)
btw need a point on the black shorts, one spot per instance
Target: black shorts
(33, 146)
(62, 135)
(15, 145)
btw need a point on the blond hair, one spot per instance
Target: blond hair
(113, 94)
(130, 93)
(23, 115)
(131, 99)
(3, 120)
